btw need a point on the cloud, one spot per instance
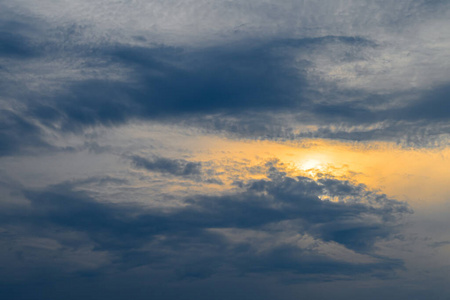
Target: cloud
(439, 244)
(15, 46)
(177, 167)
(325, 227)
(18, 133)
(256, 91)
(271, 86)
(81, 77)
(173, 83)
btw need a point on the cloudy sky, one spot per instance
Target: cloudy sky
(224, 149)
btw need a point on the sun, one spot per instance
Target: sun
(311, 164)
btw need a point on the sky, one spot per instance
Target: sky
(224, 149)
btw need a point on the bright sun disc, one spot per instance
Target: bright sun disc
(311, 164)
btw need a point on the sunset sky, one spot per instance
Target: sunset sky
(224, 149)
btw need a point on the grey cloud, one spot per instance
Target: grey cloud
(244, 89)
(18, 134)
(191, 241)
(16, 46)
(177, 167)
(339, 70)
(439, 244)
(433, 105)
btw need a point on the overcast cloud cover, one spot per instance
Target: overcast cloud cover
(117, 179)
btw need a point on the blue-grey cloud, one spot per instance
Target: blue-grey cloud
(191, 241)
(248, 69)
(240, 88)
(177, 167)
(16, 46)
(17, 133)
(242, 85)
(175, 83)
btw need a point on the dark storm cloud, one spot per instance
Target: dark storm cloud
(188, 241)
(177, 167)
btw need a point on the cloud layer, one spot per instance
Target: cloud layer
(326, 227)
(135, 146)
(332, 82)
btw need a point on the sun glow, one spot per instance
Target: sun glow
(419, 176)
(311, 164)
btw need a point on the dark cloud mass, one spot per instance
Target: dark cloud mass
(177, 83)
(15, 46)
(192, 241)
(177, 167)
(17, 132)
(240, 84)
